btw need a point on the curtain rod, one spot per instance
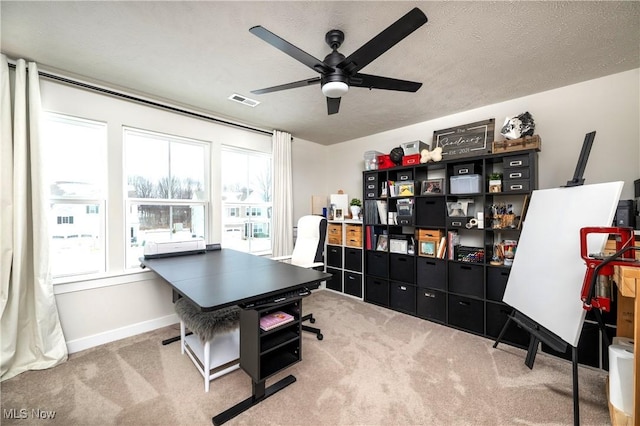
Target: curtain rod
(145, 101)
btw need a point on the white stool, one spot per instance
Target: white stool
(214, 346)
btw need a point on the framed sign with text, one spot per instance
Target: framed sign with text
(465, 141)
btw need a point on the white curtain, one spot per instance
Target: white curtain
(31, 335)
(282, 220)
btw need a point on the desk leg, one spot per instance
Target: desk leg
(174, 339)
(260, 393)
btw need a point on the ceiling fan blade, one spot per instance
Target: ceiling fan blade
(377, 82)
(291, 50)
(293, 85)
(333, 105)
(384, 41)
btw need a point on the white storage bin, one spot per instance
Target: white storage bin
(371, 160)
(466, 184)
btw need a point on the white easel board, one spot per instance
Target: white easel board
(546, 278)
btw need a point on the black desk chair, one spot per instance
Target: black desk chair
(308, 253)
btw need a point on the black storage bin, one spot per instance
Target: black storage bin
(377, 291)
(430, 211)
(465, 278)
(463, 169)
(353, 259)
(466, 313)
(352, 283)
(496, 282)
(516, 174)
(402, 297)
(334, 256)
(497, 316)
(405, 175)
(431, 273)
(516, 185)
(378, 263)
(371, 177)
(335, 282)
(402, 267)
(432, 304)
(515, 161)
(458, 221)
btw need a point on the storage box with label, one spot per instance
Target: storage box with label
(423, 234)
(466, 184)
(414, 147)
(411, 160)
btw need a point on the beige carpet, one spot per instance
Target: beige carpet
(374, 367)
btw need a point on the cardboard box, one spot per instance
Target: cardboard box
(625, 316)
(423, 234)
(627, 279)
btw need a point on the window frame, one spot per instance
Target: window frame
(129, 202)
(100, 200)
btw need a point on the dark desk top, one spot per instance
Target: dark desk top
(226, 277)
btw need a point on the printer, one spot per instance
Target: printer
(178, 247)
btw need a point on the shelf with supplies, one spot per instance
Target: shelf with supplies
(344, 257)
(443, 254)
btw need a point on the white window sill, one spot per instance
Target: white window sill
(73, 284)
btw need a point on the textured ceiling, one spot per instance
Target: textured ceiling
(196, 54)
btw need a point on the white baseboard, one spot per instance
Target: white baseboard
(83, 343)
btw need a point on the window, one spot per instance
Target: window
(167, 190)
(246, 200)
(75, 150)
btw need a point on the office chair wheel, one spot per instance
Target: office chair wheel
(312, 320)
(319, 336)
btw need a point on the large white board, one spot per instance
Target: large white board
(546, 278)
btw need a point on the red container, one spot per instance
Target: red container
(411, 160)
(384, 162)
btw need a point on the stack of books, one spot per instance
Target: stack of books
(274, 319)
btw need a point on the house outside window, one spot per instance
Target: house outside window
(246, 200)
(76, 170)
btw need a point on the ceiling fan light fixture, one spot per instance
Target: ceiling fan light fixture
(335, 89)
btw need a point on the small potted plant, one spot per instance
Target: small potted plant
(355, 206)
(495, 182)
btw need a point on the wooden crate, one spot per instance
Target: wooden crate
(528, 142)
(334, 234)
(354, 236)
(424, 234)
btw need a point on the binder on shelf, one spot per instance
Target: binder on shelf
(274, 319)
(453, 241)
(442, 248)
(382, 211)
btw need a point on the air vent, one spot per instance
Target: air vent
(243, 100)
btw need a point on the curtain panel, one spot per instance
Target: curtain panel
(30, 330)
(282, 235)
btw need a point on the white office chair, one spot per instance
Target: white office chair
(214, 346)
(308, 253)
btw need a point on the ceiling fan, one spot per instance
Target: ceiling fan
(337, 73)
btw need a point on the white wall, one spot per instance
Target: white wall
(608, 105)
